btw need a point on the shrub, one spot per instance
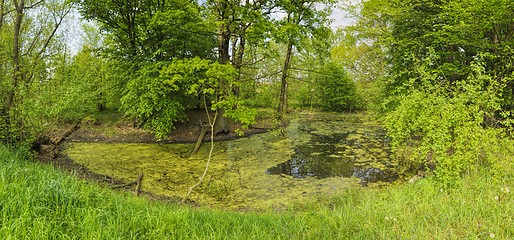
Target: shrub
(447, 127)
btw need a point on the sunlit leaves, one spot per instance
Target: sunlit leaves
(160, 95)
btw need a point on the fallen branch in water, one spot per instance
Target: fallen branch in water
(199, 141)
(137, 191)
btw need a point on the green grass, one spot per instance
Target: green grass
(38, 202)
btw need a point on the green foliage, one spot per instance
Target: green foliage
(151, 30)
(29, 42)
(446, 82)
(364, 62)
(78, 88)
(218, 82)
(161, 93)
(305, 95)
(156, 102)
(263, 96)
(338, 90)
(447, 129)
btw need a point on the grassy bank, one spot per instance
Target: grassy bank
(37, 202)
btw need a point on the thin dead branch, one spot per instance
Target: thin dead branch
(212, 121)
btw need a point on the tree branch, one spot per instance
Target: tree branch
(212, 121)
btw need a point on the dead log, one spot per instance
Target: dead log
(67, 134)
(199, 141)
(54, 151)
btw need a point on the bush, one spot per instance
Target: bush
(447, 127)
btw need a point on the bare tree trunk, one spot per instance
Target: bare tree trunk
(282, 105)
(224, 34)
(2, 13)
(238, 60)
(19, 7)
(224, 46)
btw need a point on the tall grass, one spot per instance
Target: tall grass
(38, 202)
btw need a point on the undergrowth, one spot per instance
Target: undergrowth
(38, 202)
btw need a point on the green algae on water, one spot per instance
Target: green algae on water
(239, 173)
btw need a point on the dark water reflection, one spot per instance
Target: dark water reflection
(343, 151)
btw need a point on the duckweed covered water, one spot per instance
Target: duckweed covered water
(319, 155)
(339, 148)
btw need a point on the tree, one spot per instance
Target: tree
(32, 28)
(161, 94)
(239, 22)
(337, 88)
(301, 20)
(151, 30)
(144, 38)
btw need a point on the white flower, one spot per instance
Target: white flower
(496, 198)
(492, 235)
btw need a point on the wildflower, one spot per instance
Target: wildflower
(507, 190)
(492, 235)
(496, 198)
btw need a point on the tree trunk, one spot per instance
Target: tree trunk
(219, 126)
(2, 13)
(282, 105)
(224, 34)
(238, 61)
(19, 7)
(224, 46)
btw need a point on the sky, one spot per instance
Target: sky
(342, 18)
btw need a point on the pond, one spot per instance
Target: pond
(316, 155)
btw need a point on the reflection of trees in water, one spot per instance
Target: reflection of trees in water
(333, 155)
